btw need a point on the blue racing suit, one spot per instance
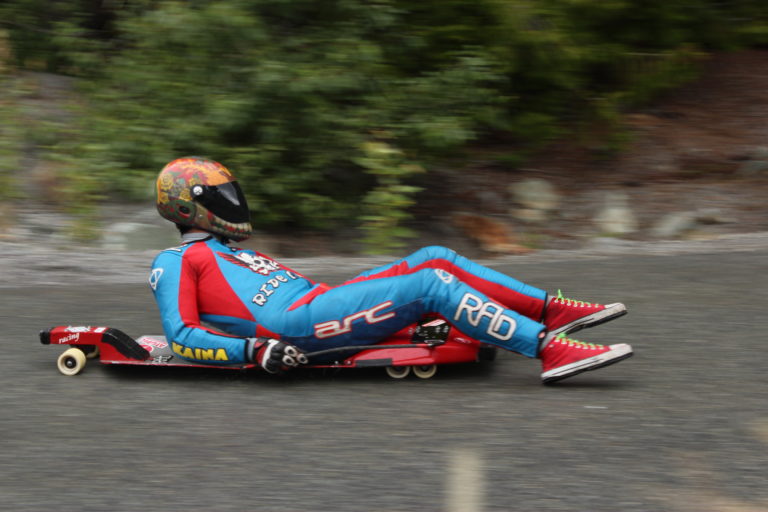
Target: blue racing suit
(245, 294)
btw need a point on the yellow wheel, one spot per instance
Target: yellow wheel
(71, 361)
(398, 372)
(426, 371)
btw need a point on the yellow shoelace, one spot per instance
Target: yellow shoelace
(576, 343)
(566, 299)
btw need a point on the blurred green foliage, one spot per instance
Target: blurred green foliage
(329, 111)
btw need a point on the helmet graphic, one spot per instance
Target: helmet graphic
(201, 193)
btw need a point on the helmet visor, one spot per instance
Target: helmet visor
(226, 201)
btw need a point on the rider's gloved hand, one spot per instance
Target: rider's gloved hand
(276, 356)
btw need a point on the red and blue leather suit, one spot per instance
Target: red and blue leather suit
(245, 294)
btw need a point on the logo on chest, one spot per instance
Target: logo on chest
(254, 262)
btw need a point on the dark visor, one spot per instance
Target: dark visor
(226, 201)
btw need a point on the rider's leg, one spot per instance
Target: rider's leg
(367, 311)
(558, 313)
(511, 293)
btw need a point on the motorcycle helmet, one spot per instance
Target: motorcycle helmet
(198, 193)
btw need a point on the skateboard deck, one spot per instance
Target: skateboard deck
(420, 348)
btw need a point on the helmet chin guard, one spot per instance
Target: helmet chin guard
(203, 194)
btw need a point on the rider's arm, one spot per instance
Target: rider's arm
(174, 283)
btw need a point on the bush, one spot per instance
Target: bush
(300, 97)
(289, 104)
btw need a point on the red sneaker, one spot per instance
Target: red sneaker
(563, 357)
(562, 315)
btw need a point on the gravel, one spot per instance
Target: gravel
(31, 264)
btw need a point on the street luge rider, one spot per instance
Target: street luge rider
(267, 313)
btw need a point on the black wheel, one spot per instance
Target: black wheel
(487, 353)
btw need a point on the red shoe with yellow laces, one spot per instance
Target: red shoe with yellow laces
(563, 315)
(563, 357)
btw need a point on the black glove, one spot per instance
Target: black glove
(276, 356)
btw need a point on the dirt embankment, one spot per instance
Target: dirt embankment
(699, 153)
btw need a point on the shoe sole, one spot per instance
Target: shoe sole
(611, 312)
(618, 352)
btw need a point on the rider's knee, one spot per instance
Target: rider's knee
(437, 252)
(436, 279)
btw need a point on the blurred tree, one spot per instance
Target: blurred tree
(298, 96)
(287, 93)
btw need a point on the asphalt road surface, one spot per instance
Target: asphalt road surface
(681, 426)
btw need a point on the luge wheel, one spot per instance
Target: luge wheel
(425, 371)
(90, 351)
(71, 361)
(398, 372)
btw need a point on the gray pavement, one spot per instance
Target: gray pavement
(682, 426)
